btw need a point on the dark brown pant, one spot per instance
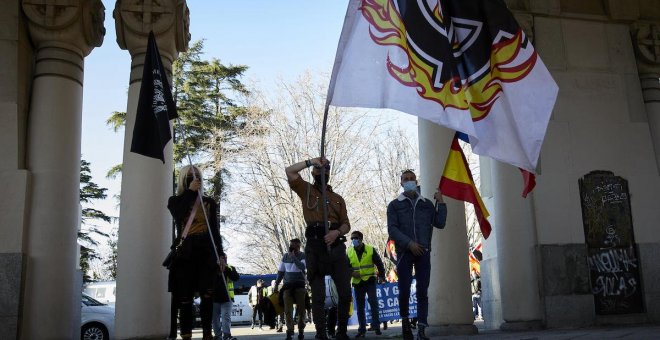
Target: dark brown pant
(294, 296)
(335, 263)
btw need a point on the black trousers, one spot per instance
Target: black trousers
(257, 312)
(331, 318)
(335, 263)
(194, 274)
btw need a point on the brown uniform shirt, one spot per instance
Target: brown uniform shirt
(312, 210)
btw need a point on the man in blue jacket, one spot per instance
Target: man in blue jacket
(410, 222)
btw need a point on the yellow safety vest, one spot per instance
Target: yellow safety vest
(230, 285)
(365, 265)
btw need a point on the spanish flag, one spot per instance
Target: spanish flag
(457, 183)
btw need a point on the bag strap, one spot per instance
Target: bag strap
(190, 219)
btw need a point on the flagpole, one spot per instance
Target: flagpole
(324, 194)
(351, 9)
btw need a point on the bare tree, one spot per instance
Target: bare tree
(473, 229)
(367, 156)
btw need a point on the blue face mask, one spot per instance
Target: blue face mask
(355, 243)
(409, 186)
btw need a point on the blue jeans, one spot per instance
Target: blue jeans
(476, 304)
(360, 291)
(404, 268)
(222, 318)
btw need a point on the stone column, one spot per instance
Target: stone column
(450, 304)
(143, 303)
(63, 33)
(646, 39)
(513, 221)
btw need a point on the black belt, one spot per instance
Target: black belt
(331, 225)
(316, 231)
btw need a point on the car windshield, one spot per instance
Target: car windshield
(88, 301)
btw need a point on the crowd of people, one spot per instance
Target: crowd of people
(323, 270)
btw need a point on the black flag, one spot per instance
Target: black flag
(155, 107)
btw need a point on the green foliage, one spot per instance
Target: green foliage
(205, 92)
(89, 192)
(210, 119)
(111, 262)
(116, 120)
(211, 123)
(114, 172)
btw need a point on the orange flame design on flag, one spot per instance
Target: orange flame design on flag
(387, 28)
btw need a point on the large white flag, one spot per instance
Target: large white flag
(463, 64)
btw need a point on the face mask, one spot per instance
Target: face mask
(355, 243)
(410, 186)
(317, 179)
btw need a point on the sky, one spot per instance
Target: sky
(277, 39)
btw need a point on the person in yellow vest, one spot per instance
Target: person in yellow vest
(364, 260)
(223, 303)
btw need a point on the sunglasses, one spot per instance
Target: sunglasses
(327, 166)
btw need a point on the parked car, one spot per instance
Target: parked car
(103, 291)
(241, 312)
(97, 319)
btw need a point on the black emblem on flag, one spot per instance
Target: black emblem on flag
(458, 46)
(155, 107)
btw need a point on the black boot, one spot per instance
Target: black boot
(421, 332)
(301, 334)
(289, 335)
(321, 336)
(406, 330)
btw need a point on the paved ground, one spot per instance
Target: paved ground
(394, 332)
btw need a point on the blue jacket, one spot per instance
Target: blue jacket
(413, 220)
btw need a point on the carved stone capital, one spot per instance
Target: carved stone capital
(168, 19)
(73, 24)
(646, 40)
(650, 87)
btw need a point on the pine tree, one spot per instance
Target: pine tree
(211, 122)
(89, 191)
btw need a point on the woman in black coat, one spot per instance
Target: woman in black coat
(196, 264)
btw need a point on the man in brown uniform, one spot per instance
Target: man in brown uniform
(321, 261)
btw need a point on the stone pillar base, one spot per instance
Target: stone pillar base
(521, 326)
(447, 330)
(622, 319)
(12, 275)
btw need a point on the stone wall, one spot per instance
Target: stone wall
(15, 69)
(600, 122)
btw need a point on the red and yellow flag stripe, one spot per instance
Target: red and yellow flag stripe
(457, 183)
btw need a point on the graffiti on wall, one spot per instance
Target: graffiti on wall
(612, 255)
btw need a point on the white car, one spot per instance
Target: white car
(97, 320)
